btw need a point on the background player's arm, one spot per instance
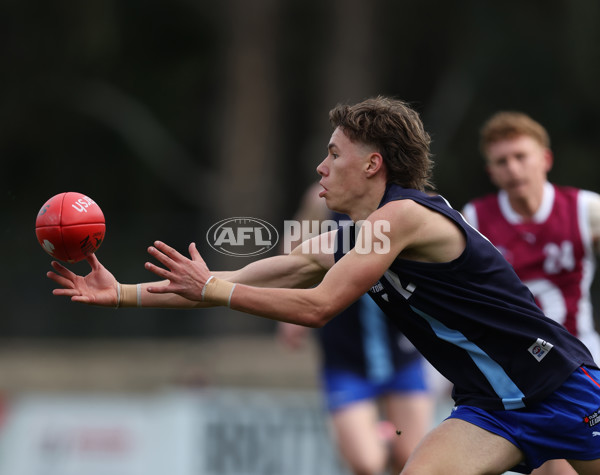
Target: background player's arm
(594, 219)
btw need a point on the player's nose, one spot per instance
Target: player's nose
(322, 169)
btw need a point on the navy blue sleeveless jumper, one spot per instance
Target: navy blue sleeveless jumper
(474, 320)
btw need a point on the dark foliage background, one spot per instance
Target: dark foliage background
(173, 115)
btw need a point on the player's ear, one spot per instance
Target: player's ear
(491, 175)
(374, 164)
(549, 158)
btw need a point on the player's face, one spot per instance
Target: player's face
(519, 166)
(343, 172)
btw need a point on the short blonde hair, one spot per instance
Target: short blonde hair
(509, 124)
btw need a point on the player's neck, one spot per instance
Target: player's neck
(367, 202)
(528, 205)
(363, 210)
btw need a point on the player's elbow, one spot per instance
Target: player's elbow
(315, 322)
(319, 315)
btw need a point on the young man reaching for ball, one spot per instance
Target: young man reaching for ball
(448, 289)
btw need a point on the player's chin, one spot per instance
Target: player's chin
(517, 189)
(336, 207)
(331, 204)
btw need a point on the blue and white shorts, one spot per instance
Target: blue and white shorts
(566, 425)
(346, 387)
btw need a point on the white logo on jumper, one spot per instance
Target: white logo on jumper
(540, 349)
(405, 290)
(378, 288)
(594, 434)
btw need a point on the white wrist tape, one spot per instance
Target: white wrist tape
(217, 291)
(118, 295)
(130, 295)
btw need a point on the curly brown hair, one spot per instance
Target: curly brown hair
(508, 125)
(397, 132)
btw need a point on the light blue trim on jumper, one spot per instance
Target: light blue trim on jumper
(375, 340)
(505, 388)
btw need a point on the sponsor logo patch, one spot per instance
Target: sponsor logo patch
(592, 420)
(540, 349)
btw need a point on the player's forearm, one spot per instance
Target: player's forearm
(260, 275)
(276, 272)
(136, 295)
(300, 306)
(190, 279)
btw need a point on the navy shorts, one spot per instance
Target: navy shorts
(345, 387)
(565, 425)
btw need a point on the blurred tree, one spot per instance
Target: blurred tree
(249, 160)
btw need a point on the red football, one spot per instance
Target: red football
(70, 226)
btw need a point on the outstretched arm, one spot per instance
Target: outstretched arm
(188, 277)
(344, 282)
(100, 287)
(413, 232)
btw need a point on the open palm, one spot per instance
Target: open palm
(99, 287)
